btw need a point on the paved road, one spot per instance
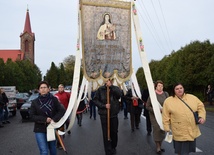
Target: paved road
(17, 138)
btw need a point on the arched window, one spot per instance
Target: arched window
(26, 46)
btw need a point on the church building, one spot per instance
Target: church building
(26, 51)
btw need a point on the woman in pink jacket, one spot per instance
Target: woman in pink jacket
(178, 118)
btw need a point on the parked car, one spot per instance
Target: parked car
(68, 87)
(21, 98)
(12, 106)
(25, 108)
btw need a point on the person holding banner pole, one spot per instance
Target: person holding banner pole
(101, 101)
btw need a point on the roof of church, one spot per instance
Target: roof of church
(13, 54)
(27, 27)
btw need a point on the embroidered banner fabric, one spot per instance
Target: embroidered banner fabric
(106, 39)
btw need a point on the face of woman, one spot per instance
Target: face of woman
(43, 89)
(106, 17)
(179, 90)
(159, 87)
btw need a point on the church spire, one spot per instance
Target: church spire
(27, 27)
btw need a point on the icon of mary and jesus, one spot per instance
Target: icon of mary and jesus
(107, 29)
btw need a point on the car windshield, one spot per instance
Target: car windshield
(20, 95)
(33, 96)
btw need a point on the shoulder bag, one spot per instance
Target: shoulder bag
(195, 114)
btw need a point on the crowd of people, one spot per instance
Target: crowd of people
(108, 100)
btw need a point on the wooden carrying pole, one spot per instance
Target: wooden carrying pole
(60, 141)
(108, 115)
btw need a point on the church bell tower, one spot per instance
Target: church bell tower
(27, 40)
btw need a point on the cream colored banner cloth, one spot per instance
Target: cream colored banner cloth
(75, 86)
(156, 105)
(75, 107)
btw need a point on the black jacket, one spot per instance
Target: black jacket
(130, 107)
(1, 102)
(39, 117)
(5, 99)
(100, 100)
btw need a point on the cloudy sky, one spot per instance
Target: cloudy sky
(166, 25)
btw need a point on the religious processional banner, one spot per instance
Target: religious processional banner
(106, 39)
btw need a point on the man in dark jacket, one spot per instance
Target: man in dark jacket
(145, 96)
(6, 112)
(1, 110)
(134, 110)
(100, 100)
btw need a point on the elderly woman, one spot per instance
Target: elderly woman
(178, 118)
(158, 134)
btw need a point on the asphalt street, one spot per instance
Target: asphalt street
(18, 138)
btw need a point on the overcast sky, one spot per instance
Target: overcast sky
(166, 25)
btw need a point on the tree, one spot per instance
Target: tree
(52, 76)
(191, 65)
(32, 75)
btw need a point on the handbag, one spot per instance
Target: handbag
(195, 114)
(135, 102)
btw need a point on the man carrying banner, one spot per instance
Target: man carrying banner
(112, 104)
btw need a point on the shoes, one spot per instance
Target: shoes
(137, 127)
(114, 151)
(90, 117)
(132, 129)
(4, 122)
(8, 122)
(149, 133)
(1, 126)
(162, 150)
(69, 132)
(60, 147)
(94, 118)
(159, 152)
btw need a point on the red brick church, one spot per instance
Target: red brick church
(26, 51)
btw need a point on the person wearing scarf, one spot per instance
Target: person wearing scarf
(44, 110)
(158, 134)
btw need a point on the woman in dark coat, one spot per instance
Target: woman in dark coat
(44, 110)
(135, 111)
(80, 110)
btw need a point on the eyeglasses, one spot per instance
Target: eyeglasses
(43, 87)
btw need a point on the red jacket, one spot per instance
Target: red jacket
(63, 98)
